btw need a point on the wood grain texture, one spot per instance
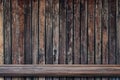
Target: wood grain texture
(62, 32)
(55, 24)
(62, 36)
(7, 33)
(49, 32)
(17, 33)
(1, 35)
(69, 32)
(98, 54)
(118, 31)
(28, 25)
(76, 32)
(105, 32)
(91, 32)
(41, 54)
(84, 36)
(112, 31)
(34, 31)
(60, 70)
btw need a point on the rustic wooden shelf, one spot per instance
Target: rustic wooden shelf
(59, 70)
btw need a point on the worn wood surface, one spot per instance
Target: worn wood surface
(60, 70)
(60, 32)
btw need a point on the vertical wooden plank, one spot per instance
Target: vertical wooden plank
(27, 24)
(98, 47)
(35, 31)
(84, 36)
(1, 34)
(98, 31)
(69, 34)
(17, 33)
(62, 36)
(49, 34)
(41, 55)
(83, 23)
(55, 24)
(112, 30)
(118, 31)
(55, 31)
(76, 28)
(104, 33)
(91, 33)
(28, 34)
(21, 30)
(76, 32)
(7, 33)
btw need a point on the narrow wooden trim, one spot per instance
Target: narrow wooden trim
(59, 70)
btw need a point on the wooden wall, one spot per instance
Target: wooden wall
(60, 32)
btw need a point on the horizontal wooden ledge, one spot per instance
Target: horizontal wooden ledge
(59, 70)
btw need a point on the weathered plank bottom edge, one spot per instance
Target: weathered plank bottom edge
(59, 70)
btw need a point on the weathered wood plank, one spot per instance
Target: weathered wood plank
(84, 38)
(41, 32)
(41, 55)
(60, 70)
(1, 34)
(28, 34)
(55, 24)
(118, 31)
(91, 32)
(35, 31)
(27, 24)
(62, 36)
(49, 34)
(7, 33)
(112, 30)
(69, 32)
(98, 46)
(104, 33)
(76, 28)
(17, 33)
(98, 6)
(76, 32)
